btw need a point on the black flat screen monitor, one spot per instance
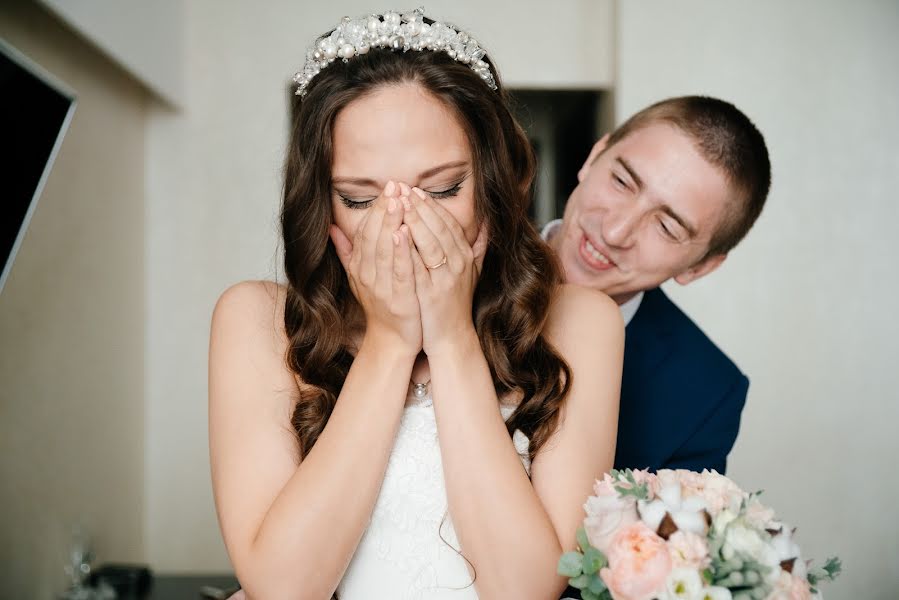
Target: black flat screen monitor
(35, 111)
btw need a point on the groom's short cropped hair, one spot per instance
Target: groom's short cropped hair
(727, 139)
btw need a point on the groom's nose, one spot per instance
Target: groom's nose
(619, 225)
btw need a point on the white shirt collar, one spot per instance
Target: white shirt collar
(550, 229)
(629, 308)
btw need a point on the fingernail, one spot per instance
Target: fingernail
(390, 189)
(391, 206)
(405, 229)
(396, 239)
(406, 204)
(419, 193)
(404, 189)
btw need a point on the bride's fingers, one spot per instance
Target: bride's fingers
(403, 268)
(479, 247)
(357, 247)
(432, 251)
(365, 243)
(421, 272)
(342, 245)
(344, 248)
(426, 208)
(453, 228)
(384, 250)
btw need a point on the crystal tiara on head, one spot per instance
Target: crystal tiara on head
(395, 31)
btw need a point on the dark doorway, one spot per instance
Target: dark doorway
(562, 126)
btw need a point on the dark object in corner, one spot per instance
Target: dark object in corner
(130, 582)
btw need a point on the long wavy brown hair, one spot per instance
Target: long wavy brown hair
(519, 277)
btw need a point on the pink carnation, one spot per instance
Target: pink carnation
(688, 550)
(669, 477)
(606, 515)
(790, 587)
(718, 491)
(760, 515)
(639, 564)
(605, 486)
(645, 477)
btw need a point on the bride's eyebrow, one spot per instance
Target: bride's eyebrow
(439, 169)
(365, 181)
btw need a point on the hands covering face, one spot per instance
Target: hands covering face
(412, 269)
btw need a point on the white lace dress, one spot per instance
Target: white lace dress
(401, 555)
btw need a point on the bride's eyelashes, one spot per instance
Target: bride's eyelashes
(361, 203)
(447, 193)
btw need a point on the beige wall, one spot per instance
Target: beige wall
(806, 305)
(72, 328)
(129, 32)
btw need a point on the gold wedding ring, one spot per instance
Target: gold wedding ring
(438, 265)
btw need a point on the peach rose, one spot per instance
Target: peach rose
(639, 564)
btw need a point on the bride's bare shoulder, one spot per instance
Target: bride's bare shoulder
(251, 309)
(579, 317)
(574, 307)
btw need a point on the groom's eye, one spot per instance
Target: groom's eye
(619, 182)
(670, 231)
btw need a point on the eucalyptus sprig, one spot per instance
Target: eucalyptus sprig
(626, 484)
(582, 568)
(830, 571)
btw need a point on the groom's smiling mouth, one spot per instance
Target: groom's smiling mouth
(594, 255)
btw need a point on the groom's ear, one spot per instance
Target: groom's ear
(598, 147)
(700, 269)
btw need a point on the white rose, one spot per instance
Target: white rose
(723, 519)
(744, 540)
(741, 539)
(683, 584)
(715, 593)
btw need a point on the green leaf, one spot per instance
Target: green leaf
(580, 582)
(834, 567)
(582, 540)
(830, 571)
(597, 586)
(570, 564)
(588, 595)
(593, 560)
(627, 484)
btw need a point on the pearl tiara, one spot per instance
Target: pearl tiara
(397, 32)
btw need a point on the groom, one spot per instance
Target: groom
(666, 196)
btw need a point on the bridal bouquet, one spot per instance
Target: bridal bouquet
(685, 535)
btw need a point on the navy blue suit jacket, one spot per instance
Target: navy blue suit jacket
(681, 397)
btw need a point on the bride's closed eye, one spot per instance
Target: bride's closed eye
(365, 202)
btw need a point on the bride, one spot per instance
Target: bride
(422, 408)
